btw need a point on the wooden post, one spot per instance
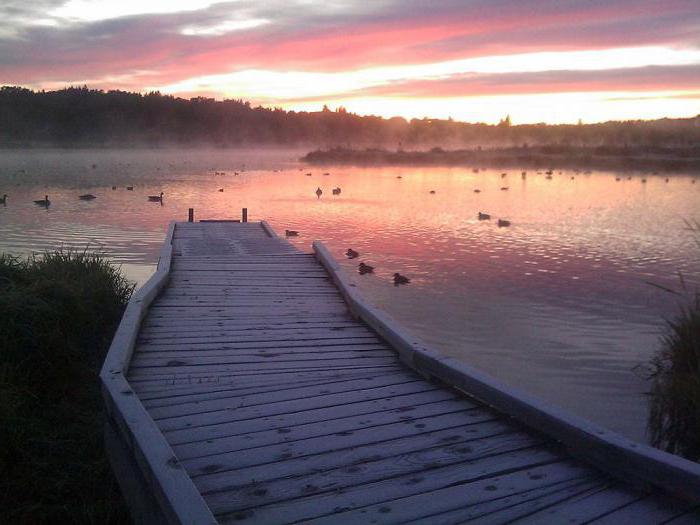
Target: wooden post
(244, 215)
(190, 215)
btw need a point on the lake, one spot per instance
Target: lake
(558, 304)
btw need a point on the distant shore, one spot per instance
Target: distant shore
(647, 159)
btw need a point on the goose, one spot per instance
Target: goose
(130, 188)
(156, 198)
(365, 268)
(319, 192)
(87, 197)
(484, 216)
(290, 233)
(503, 223)
(44, 202)
(336, 191)
(400, 279)
(4, 199)
(352, 253)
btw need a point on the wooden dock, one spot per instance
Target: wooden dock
(250, 383)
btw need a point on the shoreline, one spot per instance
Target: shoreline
(647, 160)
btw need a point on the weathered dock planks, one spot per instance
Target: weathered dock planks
(250, 383)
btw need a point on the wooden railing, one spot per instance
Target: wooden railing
(636, 463)
(178, 499)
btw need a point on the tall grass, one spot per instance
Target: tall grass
(58, 313)
(674, 414)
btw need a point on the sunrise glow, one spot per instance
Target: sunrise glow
(476, 62)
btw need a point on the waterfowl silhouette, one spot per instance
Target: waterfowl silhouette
(114, 187)
(87, 197)
(399, 177)
(477, 191)
(308, 174)
(130, 188)
(45, 202)
(523, 175)
(4, 199)
(504, 188)
(352, 253)
(666, 179)
(548, 177)
(644, 181)
(326, 174)
(365, 268)
(504, 175)
(549, 172)
(221, 189)
(503, 223)
(617, 179)
(484, 216)
(319, 192)
(291, 233)
(432, 192)
(336, 191)
(400, 279)
(156, 198)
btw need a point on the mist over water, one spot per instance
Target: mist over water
(558, 304)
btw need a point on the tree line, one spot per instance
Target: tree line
(79, 116)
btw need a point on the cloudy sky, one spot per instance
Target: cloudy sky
(475, 60)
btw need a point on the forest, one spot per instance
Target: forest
(83, 117)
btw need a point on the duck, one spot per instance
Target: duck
(130, 188)
(4, 199)
(477, 190)
(156, 198)
(221, 189)
(475, 170)
(548, 177)
(644, 181)
(326, 174)
(549, 172)
(87, 197)
(336, 191)
(572, 177)
(365, 268)
(114, 187)
(290, 233)
(617, 179)
(352, 253)
(504, 175)
(399, 177)
(504, 188)
(45, 202)
(400, 279)
(523, 175)
(502, 223)
(484, 216)
(308, 174)
(319, 192)
(432, 192)
(666, 179)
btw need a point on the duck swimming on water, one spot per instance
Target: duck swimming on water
(4, 199)
(400, 279)
(502, 223)
(45, 202)
(156, 198)
(484, 216)
(291, 233)
(365, 268)
(319, 192)
(87, 197)
(352, 253)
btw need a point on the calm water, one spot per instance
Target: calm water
(558, 304)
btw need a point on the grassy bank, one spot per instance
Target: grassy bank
(648, 159)
(674, 417)
(57, 317)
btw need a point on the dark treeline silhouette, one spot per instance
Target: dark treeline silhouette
(78, 116)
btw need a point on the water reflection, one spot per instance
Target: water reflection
(557, 303)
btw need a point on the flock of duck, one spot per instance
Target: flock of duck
(46, 202)
(364, 268)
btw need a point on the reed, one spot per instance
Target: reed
(674, 412)
(58, 313)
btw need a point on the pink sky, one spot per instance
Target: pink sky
(477, 60)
